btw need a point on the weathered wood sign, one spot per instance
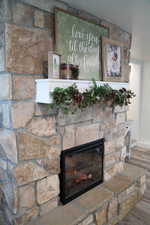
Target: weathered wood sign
(78, 41)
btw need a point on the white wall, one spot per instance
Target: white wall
(145, 107)
(139, 110)
(134, 108)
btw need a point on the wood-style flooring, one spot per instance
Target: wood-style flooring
(141, 214)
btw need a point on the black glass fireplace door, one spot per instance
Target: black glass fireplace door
(81, 169)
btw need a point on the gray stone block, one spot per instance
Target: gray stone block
(22, 14)
(5, 120)
(2, 59)
(5, 86)
(5, 10)
(46, 5)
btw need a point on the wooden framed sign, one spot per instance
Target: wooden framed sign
(78, 42)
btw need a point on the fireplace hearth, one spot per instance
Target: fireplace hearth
(81, 169)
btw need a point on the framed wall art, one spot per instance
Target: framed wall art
(113, 61)
(126, 53)
(78, 41)
(54, 61)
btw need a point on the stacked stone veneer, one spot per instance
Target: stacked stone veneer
(32, 136)
(106, 204)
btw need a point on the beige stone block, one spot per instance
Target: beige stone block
(23, 87)
(47, 189)
(120, 142)
(26, 197)
(142, 190)
(33, 44)
(28, 172)
(141, 185)
(143, 179)
(131, 189)
(128, 204)
(110, 146)
(68, 214)
(39, 19)
(69, 137)
(123, 153)
(48, 206)
(87, 133)
(101, 216)
(78, 116)
(133, 172)
(61, 130)
(98, 112)
(94, 199)
(29, 215)
(112, 171)
(109, 173)
(32, 147)
(107, 124)
(53, 140)
(87, 221)
(52, 165)
(42, 126)
(115, 169)
(5, 86)
(118, 183)
(21, 113)
(8, 145)
(110, 159)
(53, 152)
(113, 209)
(114, 221)
(124, 195)
(120, 118)
(119, 167)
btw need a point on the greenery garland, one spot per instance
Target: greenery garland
(70, 99)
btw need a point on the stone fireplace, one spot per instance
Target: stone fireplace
(32, 136)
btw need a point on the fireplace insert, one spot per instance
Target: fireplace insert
(81, 169)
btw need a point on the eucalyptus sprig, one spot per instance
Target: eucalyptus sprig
(70, 99)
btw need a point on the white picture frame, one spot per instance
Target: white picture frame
(54, 61)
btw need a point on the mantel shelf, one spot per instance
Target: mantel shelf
(46, 86)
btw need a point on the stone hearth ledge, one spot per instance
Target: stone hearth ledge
(107, 203)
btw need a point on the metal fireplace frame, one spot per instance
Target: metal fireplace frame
(84, 147)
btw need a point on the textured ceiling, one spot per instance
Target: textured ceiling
(131, 15)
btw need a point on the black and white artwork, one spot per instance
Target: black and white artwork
(113, 53)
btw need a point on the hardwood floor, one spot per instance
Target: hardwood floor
(141, 214)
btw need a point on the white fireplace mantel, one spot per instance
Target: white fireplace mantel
(46, 86)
